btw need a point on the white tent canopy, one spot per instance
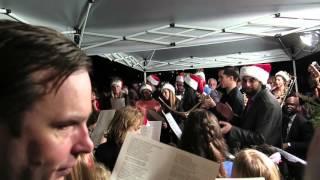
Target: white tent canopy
(151, 35)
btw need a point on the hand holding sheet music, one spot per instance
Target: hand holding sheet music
(291, 157)
(104, 119)
(152, 131)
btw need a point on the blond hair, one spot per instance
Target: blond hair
(252, 163)
(87, 169)
(123, 119)
(172, 99)
(101, 173)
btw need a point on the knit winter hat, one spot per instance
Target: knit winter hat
(257, 71)
(116, 83)
(284, 75)
(144, 87)
(168, 86)
(153, 79)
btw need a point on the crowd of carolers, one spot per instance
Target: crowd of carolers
(246, 113)
(242, 124)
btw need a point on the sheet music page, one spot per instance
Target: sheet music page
(153, 131)
(141, 158)
(173, 124)
(118, 103)
(104, 119)
(291, 157)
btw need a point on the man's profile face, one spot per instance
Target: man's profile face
(212, 84)
(225, 80)
(220, 73)
(53, 132)
(250, 85)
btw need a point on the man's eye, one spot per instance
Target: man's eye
(62, 126)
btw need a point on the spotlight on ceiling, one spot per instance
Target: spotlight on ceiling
(310, 38)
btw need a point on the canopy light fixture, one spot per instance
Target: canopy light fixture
(310, 38)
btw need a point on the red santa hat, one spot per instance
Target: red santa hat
(195, 82)
(153, 79)
(145, 87)
(257, 71)
(201, 75)
(168, 86)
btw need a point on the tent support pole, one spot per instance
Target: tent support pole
(145, 77)
(84, 24)
(295, 74)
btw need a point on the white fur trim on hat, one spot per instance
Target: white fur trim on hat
(255, 72)
(191, 82)
(283, 74)
(116, 83)
(168, 86)
(146, 86)
(153, 79)
(180, 78)
(201, 75)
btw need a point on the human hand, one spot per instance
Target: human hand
(285, 146)
(207, 102)
(225, 127)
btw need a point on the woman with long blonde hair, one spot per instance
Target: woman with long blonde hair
(169, 102)
(127, 119)
(252, 163)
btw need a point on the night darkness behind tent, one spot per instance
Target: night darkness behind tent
(104, 70)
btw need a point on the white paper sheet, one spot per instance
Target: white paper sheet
(141, 158)
(103, 122)
(291, 157)
(152, 131)
(118, 103)
(173, 124)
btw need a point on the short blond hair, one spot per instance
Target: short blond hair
(123, 120)
(252, 163)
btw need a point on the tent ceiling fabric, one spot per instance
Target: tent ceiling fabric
(172, 35)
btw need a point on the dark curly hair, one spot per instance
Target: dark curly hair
(202, 136)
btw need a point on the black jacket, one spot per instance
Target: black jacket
(235, 99)
(261, 123)
(107, 153)
(300, 135)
